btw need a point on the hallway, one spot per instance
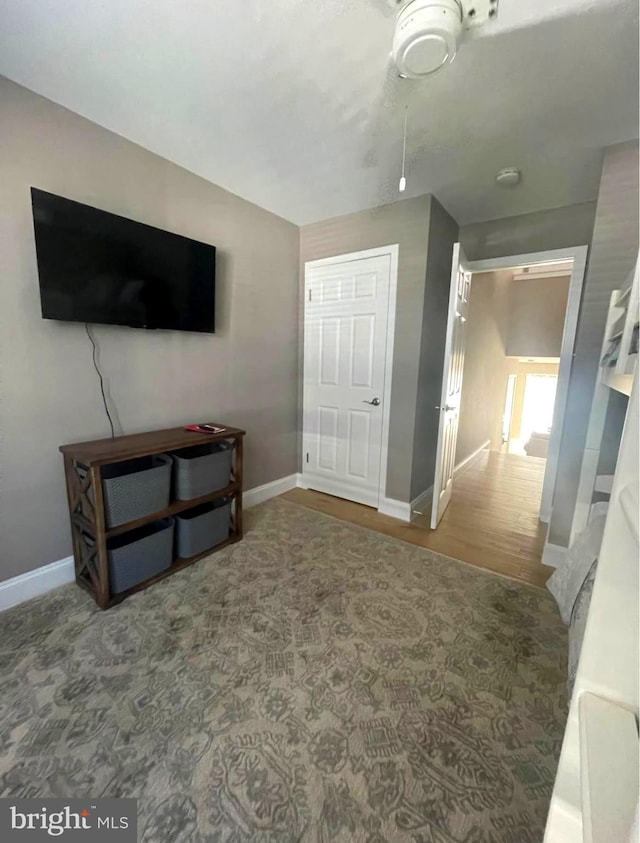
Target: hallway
(491, 522)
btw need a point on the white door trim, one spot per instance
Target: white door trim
(579, 256)
(392, 251)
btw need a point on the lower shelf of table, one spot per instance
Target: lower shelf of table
(177, 565)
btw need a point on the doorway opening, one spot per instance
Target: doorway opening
(515, 336)
(537, 313)
(519, 334)
(532, 417)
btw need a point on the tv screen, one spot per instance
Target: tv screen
(98, 267)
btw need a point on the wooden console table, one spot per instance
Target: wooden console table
(83, 462)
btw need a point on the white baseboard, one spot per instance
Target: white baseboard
(471, 458)
(260, 494)
(396, 509)
(420, 504)
(336, 488)
(553, 555)
(37, 582)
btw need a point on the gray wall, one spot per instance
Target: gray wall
(485, 370)
(612, 432)
(244, 375)
(537, 309)
(614, 249)
(443, 233)
(405, 223)
(557, 228)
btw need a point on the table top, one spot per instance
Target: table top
(100, 451)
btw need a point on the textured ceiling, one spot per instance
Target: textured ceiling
(290, 103)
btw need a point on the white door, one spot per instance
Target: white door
(449, 407)
(345, 336)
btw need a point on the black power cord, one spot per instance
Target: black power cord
(97, 368)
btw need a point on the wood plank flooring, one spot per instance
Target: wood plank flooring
(491, 522)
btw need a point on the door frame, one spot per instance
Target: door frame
(391, 251)
(579, 256)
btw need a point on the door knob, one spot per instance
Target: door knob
(375, 402)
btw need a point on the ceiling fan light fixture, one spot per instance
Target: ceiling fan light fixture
(426, 36)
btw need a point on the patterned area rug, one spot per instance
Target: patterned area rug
(316, 682)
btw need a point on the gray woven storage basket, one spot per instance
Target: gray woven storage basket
(203, 527)
(201, 469)
(135, 488)
(140, 554)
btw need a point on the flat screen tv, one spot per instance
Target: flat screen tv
(98, 267)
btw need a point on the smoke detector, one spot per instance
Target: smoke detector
(508, 177)
(428, 32)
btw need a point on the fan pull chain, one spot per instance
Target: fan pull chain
(403, 180)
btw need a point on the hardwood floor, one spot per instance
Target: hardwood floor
(491, 522)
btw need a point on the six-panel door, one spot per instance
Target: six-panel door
(346, 312)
